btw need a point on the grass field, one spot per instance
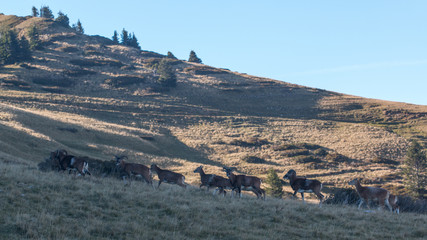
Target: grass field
(50, 205)
(96, 99)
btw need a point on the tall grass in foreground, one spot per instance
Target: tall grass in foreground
(52, 205)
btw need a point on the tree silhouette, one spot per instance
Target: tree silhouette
(125, 37)
(275, 183)
(34, 12)
(13, 50)
(414, 170)
(167, 76)
(78, 27)
(193, 57)
(171, 56)
(45, 12)
(33, 36)
(63, 19)
(115, 38)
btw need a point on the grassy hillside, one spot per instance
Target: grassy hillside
(39, 205)
(96, 99)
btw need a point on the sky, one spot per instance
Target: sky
(375, 49)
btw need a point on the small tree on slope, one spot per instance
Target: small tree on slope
(275, 183)
(414, 170)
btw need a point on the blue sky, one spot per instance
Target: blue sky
(375, 49)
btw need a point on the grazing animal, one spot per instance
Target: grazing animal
(302, 185)
(243, 182)
(56, 157)
(168, 176)
(221, 183)
(204, 178)
(78, 164)
(134, 169)
(393, 200)
(371, 193)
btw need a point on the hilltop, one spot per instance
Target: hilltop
(98, 99)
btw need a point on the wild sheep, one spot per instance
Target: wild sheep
(303, 185)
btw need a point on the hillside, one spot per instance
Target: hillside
(96, 99)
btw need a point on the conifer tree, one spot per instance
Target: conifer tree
(9, 47)
(193, 57)
(33, 36)
(34, 11)
(45, 12)
(133, 41)
(170, 55)
(78, 27)
(125, 37)
(24, 49)
(115, 38)
(167, 76)
(63, 19)
(275, 183)
(414, 170)
(13, 50)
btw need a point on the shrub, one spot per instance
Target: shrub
(320, 152)
(250, 142)
(96, 62)
(343, 196)
(308, 146)
(296, 152)
(284, 147)
(68, 49)
(307, 159)
(253, 159)
(123, 81)
(78, 72)
(336, 157)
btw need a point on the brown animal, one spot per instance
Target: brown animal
(221, 183)
(243, 182)
(371, 193)
(78, 164)
(56, 157)
(393, 200)
(302, 185)
(134, 169)
(204, 178)
(168, 176)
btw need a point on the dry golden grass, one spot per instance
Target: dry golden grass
(213, 118)
(40, 205)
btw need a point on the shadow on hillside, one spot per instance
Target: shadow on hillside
(174, 148)
(256, 98)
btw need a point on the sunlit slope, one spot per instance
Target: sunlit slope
(97, 99)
